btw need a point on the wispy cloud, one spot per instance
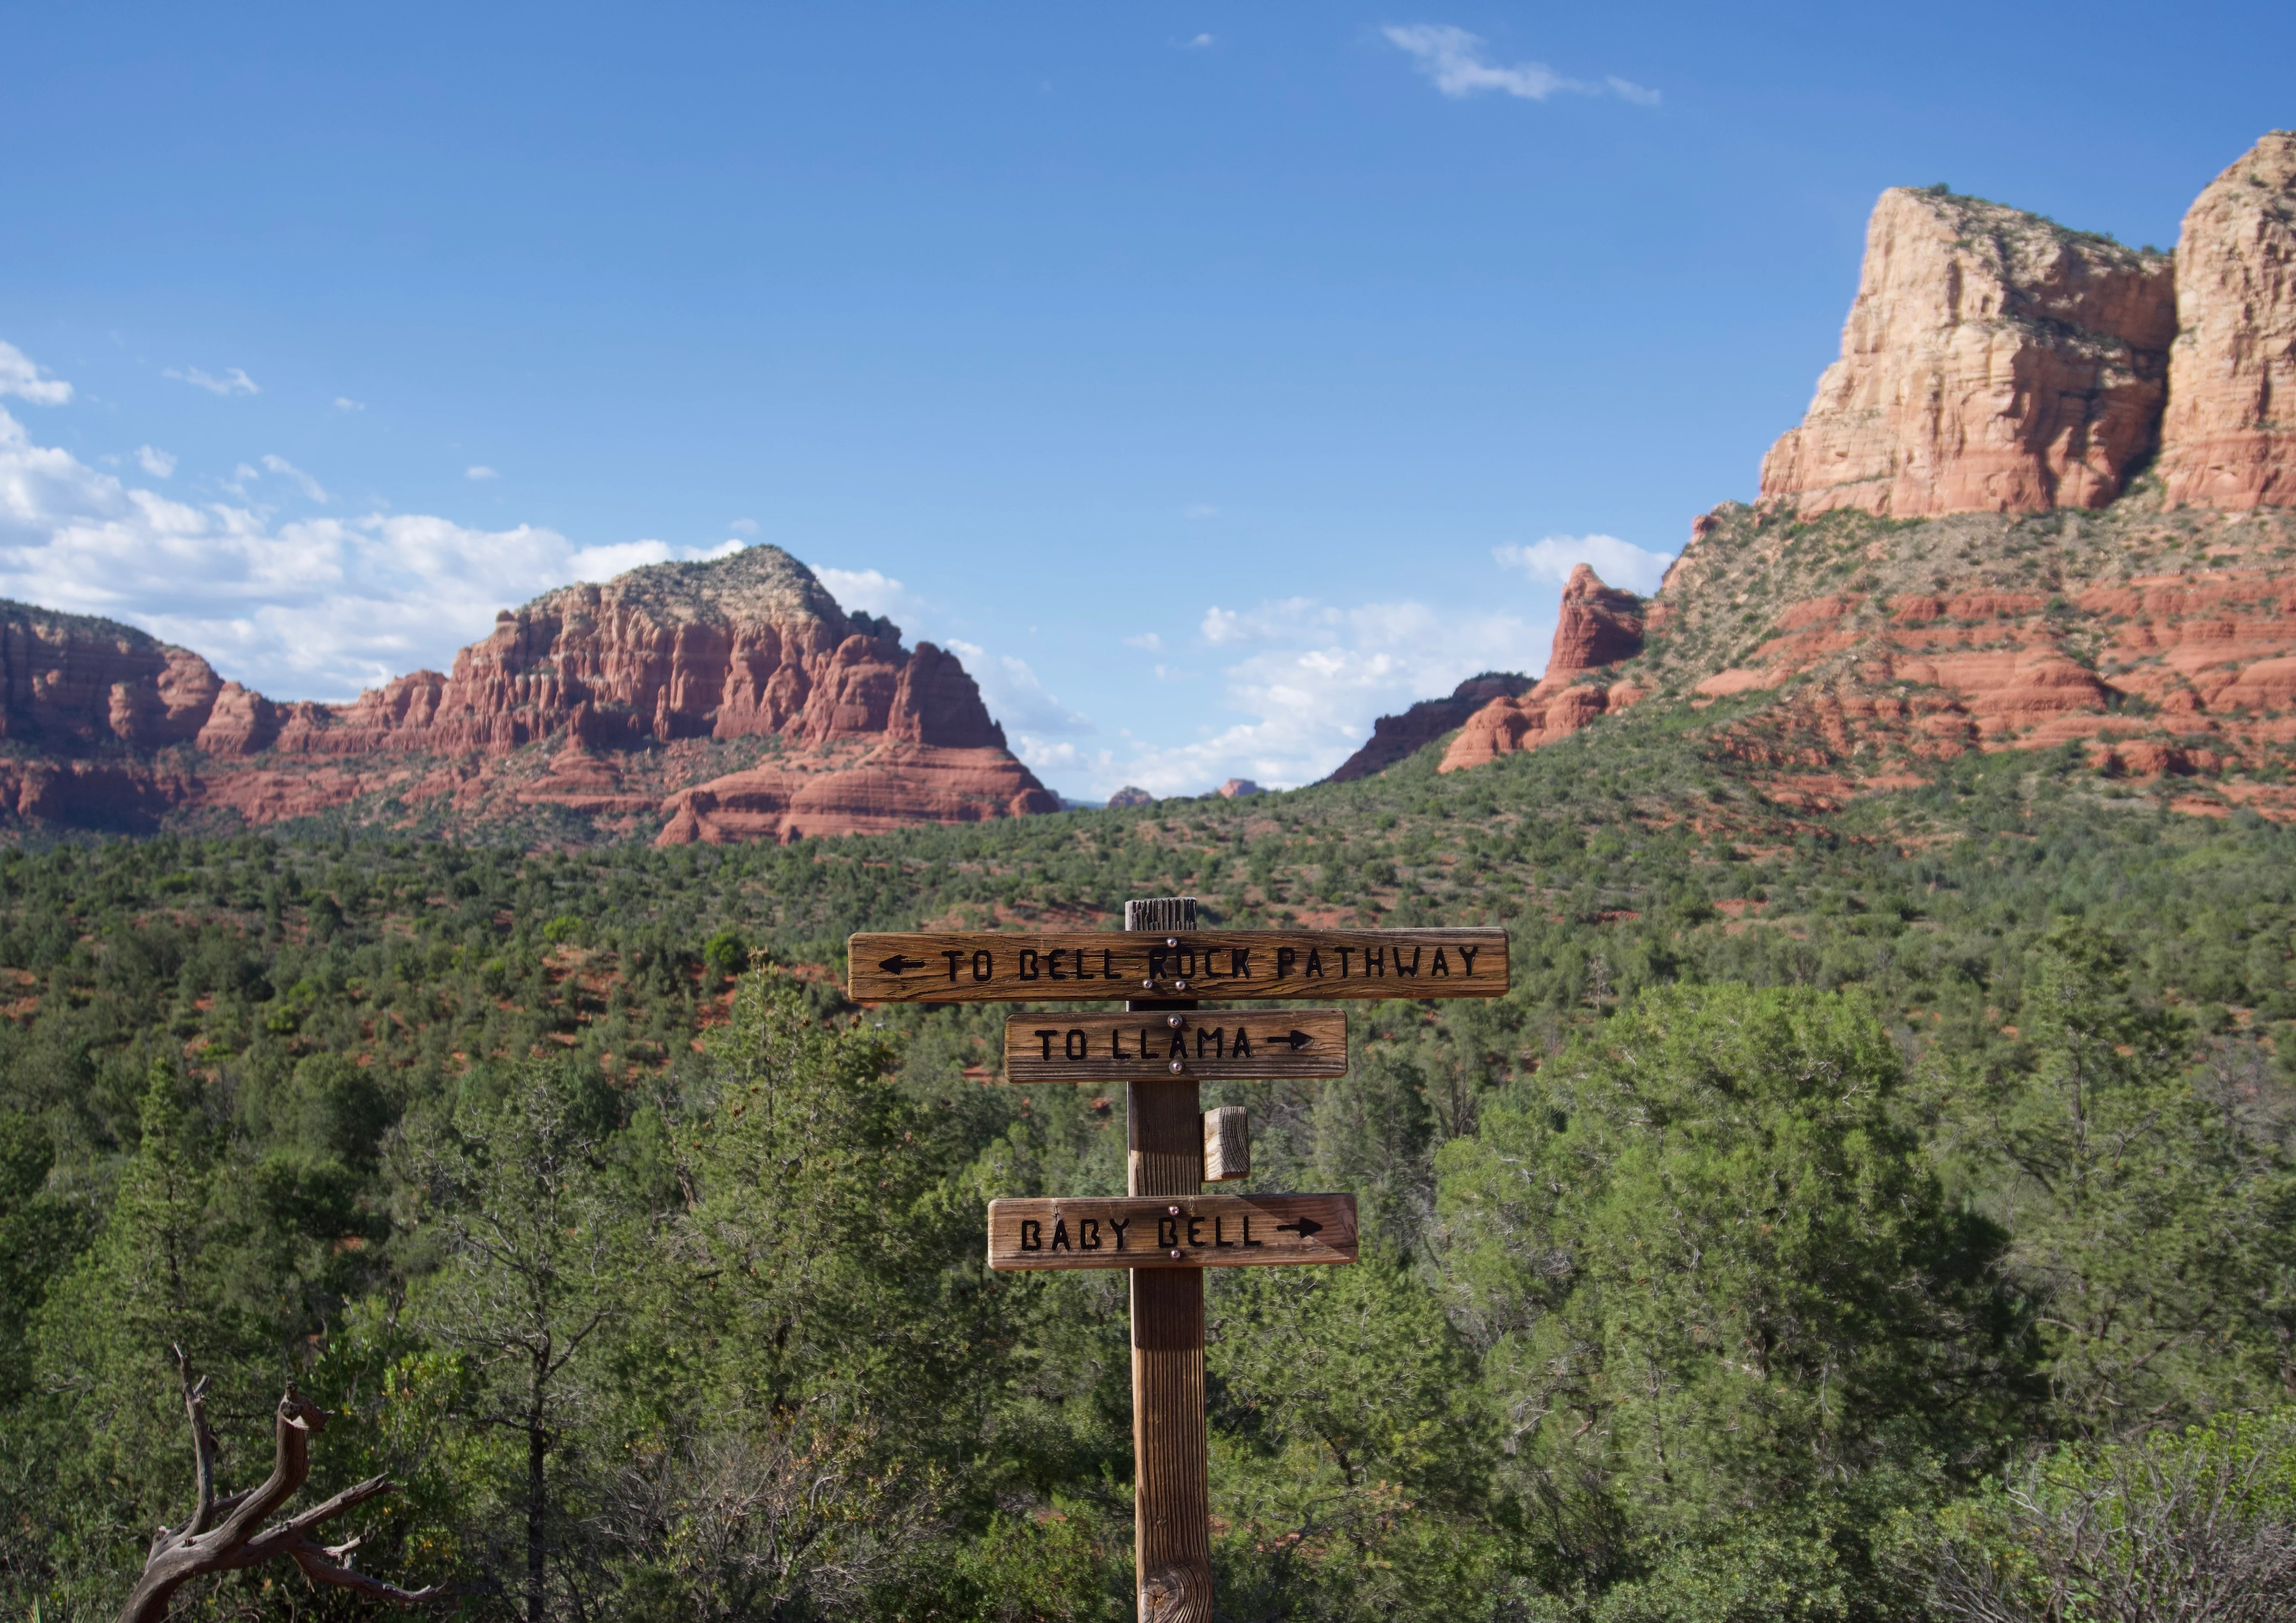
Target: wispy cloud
(344, 403)
(1148, 640)
(234, 380)
(1200, 510)
(743, 527)
(1458, 64)
(314, 608)
(1620, 563)
(153, 461)
(1201, 42)
(479, 472)
(295, 475)
(1017, 697)
(21, 378)
(1309, 678)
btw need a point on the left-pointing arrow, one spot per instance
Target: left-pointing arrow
(895, 964)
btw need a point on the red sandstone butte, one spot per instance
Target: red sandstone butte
(2229, 437)
(1395, 738)
(1993, 362)
(1600, 625)
(626, 698)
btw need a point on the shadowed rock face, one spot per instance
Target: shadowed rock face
(1395, 738)
(2229, 437)
(1599, 626)
(637, 677)
(1992, 362)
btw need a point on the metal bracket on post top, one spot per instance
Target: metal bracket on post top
(1152, 913)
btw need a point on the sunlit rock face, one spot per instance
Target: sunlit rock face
(2229, 437)
(1993, 362)
(626, 699)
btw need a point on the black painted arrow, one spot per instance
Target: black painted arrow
(895, 964)
(1304, 1228)
(1298, 1040)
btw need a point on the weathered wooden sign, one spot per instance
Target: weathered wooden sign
(1085, 966)
(1212, 1048)
(1204, 1230)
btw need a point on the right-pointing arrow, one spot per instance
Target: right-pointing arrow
(1298, 1039)
(1304, 1228)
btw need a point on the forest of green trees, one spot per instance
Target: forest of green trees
(1890, 1216)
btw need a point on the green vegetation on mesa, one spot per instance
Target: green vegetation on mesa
(1827, 1210)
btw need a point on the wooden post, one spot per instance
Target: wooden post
(1171, 1503)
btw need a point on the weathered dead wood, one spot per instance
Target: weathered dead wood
(225, 1535)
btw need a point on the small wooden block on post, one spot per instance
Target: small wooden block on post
(1227, 1144)
(1281, 1045)
(1201, 1231)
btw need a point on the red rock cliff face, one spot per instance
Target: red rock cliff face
(1395, 738)
(645, 682)
(1600, 625)
(2229, 438)
(1992, 362)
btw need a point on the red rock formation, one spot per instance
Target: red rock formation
(1993, 361)
(1396, 738)
(644, 682)
(2229, 437)
(1599, 626)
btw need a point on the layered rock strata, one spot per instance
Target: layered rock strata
(635, 691)
(2229, 436)
(1599, 628)
(1397, 738)
(1993, 361)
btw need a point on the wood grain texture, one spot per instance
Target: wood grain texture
(1085, 966)
(1208, 1231)
(1275, 1045)
(1171, 1454)
(1227, 1144)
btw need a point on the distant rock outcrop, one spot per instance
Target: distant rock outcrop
(1235, 788)
(1397, 738)
(1993, 361)
(1600, 625)
(645, 684)
(2229, 437)
(1130, 795)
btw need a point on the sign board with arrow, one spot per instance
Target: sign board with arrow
(1231, 1046)
(1204, 1231)
(1099, 966)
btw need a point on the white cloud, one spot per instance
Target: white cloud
(19, 377)
(288, 470)
(873, 592)
(313, 608)
(743, 527)
(1016, 697)
(158, 463)
(234, 382)
(1148, 640)
(1620, 563)
(1201, 42)
(1454, 60)
(344, 403)
(1200, 510)
(480, 472)
(1314, 678)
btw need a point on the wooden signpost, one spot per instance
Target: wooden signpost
(1166, 1230)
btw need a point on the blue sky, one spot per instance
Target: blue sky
(1214, 378)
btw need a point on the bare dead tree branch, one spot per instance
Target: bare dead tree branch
(195, 1550)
